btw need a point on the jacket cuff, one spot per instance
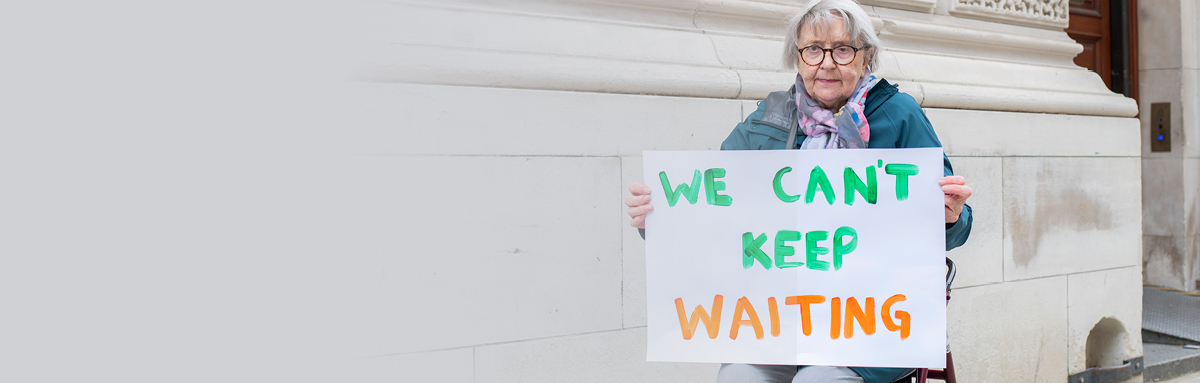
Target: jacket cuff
(958, 232)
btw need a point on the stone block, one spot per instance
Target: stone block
(1164, 260)
(426, 119)
(611, 356)
(1191, 273)
(491, 249)
(981, 259)
(1070, 215)
(448, 366)
(1163, 196)
(1091, 297)
(513, 32)
(1190, 33)
(1010, 332)
(1159, 35)
(986, 133)
(748, 107)
(633, 253)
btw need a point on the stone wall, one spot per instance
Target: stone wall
(1168, 69)
(552, 103)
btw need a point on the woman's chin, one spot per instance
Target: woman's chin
(829, 103)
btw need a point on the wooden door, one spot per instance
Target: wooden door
(1107, 29)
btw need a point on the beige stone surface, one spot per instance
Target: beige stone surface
(1070, 215)
(480, 250)
(985, 133)
(1113, 293)
(1163, 196)
(611, 356)
(1189, 103)
(449, 366)
(425, 119)
(1159, 34)
(1010, 332)
(1164, 260)
(981, 259)
(1189, 12)
(748, 107)
(633, 253)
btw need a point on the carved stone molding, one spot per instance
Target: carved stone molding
(720, 49)
(1050, 14)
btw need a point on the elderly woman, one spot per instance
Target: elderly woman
(836, 103)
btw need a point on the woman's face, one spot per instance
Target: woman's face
(828, 83)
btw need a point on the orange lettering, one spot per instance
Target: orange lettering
(885, 312)
(774, 315)
(743, 306)
(711, 323)
(805, 312)
(866, 320)
(835, 317)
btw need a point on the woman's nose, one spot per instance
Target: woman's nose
(827, 61)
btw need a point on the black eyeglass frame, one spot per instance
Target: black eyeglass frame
(829, 52)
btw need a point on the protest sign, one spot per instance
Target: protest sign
(822, 257)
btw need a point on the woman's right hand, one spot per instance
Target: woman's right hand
(639, 204)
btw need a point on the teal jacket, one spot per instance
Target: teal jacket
(896, 121)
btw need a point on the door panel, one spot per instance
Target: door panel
(1107, 30)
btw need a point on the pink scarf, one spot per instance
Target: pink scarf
(845, 129)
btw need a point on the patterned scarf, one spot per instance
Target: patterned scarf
(827, 130)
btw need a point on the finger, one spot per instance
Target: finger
(636, 200)
(638, 222)
(953, 203)
(638, 188)
(952, 180)
(959, 191)
(636, 211)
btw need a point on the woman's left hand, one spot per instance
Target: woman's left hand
(957, 192)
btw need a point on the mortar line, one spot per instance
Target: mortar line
(1045, 277)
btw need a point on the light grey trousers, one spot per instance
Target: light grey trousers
(765, 373)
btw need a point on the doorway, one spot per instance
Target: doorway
(1107, 29)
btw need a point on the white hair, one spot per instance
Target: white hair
(820, 14)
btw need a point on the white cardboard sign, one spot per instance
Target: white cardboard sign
(821, 257)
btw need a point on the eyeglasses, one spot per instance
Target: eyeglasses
(842, 55)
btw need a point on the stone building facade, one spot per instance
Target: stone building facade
(1170, 56)
(548, 106)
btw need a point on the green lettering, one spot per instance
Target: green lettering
(688, 191)
(783, 250)
(902, 172)
(712, 186)
(752, 249)
(869, 190)
(840, 248)
(811, 250)
(818, 178)
(778, 184)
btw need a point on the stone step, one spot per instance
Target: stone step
(1166, 361)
